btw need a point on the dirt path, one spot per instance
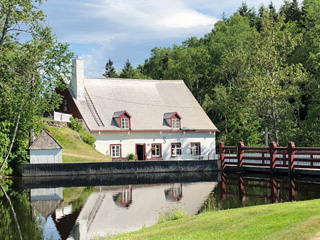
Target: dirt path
(316, 237)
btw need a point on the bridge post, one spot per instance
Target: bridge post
(240, 152)
(222, 155)
(291, 152)
(272, 152)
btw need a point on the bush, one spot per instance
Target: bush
(76, 124)
(131, 157)
(88, 138)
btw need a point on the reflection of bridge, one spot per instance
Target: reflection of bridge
(269, 188)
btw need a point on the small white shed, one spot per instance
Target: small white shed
(45, 149)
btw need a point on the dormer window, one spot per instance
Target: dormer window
(173, 120)
(176, 123)
(125, 123)
(122, 118)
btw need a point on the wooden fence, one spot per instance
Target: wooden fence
(271, 157)
(63, 117)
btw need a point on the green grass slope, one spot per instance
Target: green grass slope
(294, 221)
(74, 149)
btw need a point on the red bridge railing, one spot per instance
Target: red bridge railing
(290, 157)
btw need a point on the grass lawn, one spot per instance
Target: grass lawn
(294, 221)
(74, 149)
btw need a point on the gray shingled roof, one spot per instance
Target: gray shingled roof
(168, 115)
(45, 141)
(147, 101)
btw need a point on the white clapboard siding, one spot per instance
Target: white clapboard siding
(46, 156)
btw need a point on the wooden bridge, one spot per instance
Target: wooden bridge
(273, 159)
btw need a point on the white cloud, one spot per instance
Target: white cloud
(94, 37)
(150, 15)
(129, 29)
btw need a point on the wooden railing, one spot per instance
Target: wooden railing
(290, 157)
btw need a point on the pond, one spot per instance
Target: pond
(102, 206)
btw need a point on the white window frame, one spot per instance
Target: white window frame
(175, 123)
(125, 123)
(115, 151)
(156, 150)
(195, 148)
(126, 196)
(175, 149)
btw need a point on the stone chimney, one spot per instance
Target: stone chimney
(77, 82)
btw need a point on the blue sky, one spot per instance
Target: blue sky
(128, 29)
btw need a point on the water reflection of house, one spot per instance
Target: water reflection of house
(174, 193)
(46, 200)
(123, 198)
(103, 215)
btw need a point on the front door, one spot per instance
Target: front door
(140, 151)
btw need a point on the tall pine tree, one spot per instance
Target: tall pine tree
(110, 71)
(128, 71)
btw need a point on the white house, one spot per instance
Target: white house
(45, 149)
(153, 119)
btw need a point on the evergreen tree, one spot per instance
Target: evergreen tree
(128, 71)
(110, 71)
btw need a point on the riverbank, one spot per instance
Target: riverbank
(293, 220)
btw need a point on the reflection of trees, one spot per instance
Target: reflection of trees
(12, 209)
(241, 191)
(17, 200)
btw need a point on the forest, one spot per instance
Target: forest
(256, 69)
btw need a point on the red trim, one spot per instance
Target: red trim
(159, 130)
(180, 149)
(120, 119)
(125, 114)
(199, 147)
(156, 157)
(111, 145)
(123, 203)
(175, 116)
(144, 151)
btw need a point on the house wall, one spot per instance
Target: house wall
(128, 141)
(46, 156)
(72, 108)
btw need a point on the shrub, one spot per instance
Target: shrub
(76, 124)
(175, 214)
(131, 157)
(88, 138)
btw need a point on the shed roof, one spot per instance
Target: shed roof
(45, 141)
(147, 101)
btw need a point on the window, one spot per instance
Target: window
(122, 119)
(175, 149)
(195, 149)
(126, 196)
(125, 123)
(156, 150)
(176, 123)
(115, 151)
(65, 105)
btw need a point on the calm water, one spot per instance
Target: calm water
(87, 207)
